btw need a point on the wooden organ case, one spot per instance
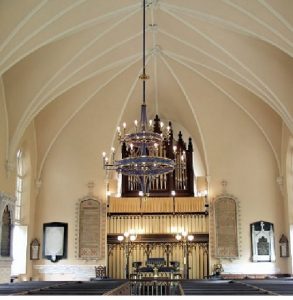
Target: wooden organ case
(157, 218)
(181, 180)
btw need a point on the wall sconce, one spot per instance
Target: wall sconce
(126, 237)
(184, 236)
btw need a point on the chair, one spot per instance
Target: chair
(175, 265)
(136, 265)
(100, 272)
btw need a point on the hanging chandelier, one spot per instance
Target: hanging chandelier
(142, 161)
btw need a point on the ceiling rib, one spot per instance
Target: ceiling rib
(6, 119)
(192, 110)
(154, 40)
(228, 25)
(39, 29)
(87, 100)
(261, 22)
(276, 14)
(34, 106)
(21, 24)
(222, 90)
(285, 112)
(244, 78)
(72, 30)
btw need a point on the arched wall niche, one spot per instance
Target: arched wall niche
(6, 225)
(6, 203)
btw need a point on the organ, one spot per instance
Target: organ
(181, 180)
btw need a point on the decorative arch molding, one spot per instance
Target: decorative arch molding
(90, 228)
(225, 227)
(6, 200)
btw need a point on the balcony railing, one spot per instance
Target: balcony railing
(155, 287)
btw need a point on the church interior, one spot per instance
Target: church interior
(146, 147)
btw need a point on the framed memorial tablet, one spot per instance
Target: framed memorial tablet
(55, 241)
(35, 250)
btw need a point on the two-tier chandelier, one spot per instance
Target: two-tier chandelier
(143, 160)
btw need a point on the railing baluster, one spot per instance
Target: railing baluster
(158, 286)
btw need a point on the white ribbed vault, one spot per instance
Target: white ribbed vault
(67, 60)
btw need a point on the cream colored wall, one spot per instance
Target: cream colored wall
(287, 163)
(28, 146)
(7, 183)
(71, 164)
(203, 76)
(249, 168)
(8, 179)
(236, 149)
(238, 152)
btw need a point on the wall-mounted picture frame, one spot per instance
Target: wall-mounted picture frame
(55, 241)
(284, 246)
(34, 250)
(262, 241)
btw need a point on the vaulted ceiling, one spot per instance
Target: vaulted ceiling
(62, 58)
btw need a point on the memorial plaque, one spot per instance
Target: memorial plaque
(262, 241)
(226, 228)
(263, 247)
(89, 229)
(55, 241)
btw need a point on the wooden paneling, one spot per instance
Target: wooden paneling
(198, 258)
(148, 224)
(156, 221)
(157, 205)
